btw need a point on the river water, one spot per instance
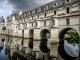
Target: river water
(3, 55)
(71, 50)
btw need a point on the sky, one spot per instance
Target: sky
(7, 6)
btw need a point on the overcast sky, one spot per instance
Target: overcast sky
(7, 6)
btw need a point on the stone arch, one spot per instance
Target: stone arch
(31, 36)
(44, 39)
(62, 33)
(44, 46)
(61, 49)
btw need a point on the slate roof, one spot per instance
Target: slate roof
(50, 6)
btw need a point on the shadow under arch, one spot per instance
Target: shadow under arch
(44, 39)
(22, 37)
(31, 36)
(61, 49)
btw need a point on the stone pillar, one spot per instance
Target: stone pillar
(36, 42)
(54, 42)
(26, 44)
(19, 33)
(26, 33)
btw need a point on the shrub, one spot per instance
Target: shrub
(4, 28)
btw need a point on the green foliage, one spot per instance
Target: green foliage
(4, 28)
(74, 37)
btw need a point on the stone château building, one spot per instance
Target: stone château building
(46, 23)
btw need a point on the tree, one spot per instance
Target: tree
(4, 28)
(74, 37)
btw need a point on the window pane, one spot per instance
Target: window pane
(67, 21)
(67, 10)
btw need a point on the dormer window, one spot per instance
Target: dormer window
(28, 13)
(38, 10)
(33, 12)
(55, 4)
(46, 8)
(67, 1)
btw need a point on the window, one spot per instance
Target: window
(53, 21)
(16, 26)
(28, 13)
(32, 17)
(68, 10)
(44, 23)
(38, 10)
(67, 0)
(32, 24)
(54, 4)
(55, 12)
(36, 24)
(26, 25)
(46, 8)
(45, 15)
(33, 12)
(67, 21)
(38, 16)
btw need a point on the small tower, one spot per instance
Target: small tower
(20, 12)
(13, 12)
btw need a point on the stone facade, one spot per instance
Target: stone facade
(52, 18)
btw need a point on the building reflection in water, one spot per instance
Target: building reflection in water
(16, 50)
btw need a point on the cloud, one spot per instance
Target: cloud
(7, 6)
(24, 5)
(2, 11)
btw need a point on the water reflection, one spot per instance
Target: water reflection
(3, 56)
(71, 49)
